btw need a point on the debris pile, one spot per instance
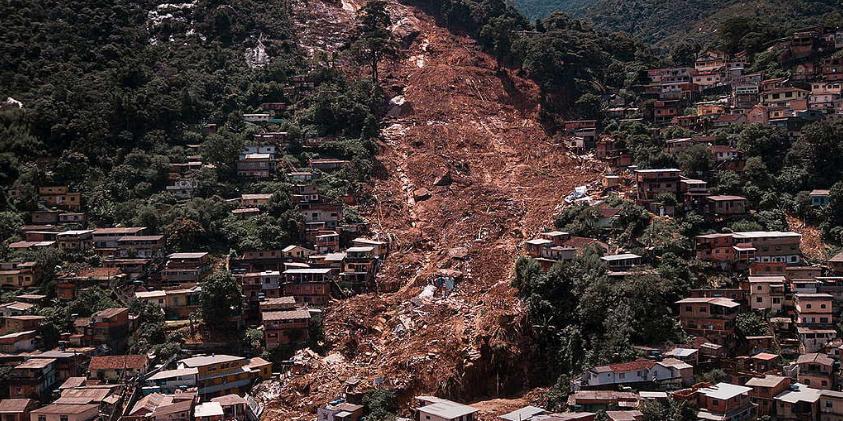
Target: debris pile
(468, 171)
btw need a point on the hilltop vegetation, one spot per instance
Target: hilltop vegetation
(539, 9)
(666, 23)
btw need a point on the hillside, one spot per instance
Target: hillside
(507, 176)
(668, 22)
(536, 9)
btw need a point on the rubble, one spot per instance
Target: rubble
(471, 123)
(421, 194)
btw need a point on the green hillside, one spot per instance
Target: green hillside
(667, 22)
(535, 9)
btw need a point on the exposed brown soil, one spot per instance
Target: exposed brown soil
(507, 177)
(812, 246)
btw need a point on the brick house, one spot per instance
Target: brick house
(767, 293)
(815, 370)
(712, 318)
(764, 389)
(725, 205)
(285, 327)
(724, 401)
(117, 368)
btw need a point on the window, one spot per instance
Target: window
(62, 417)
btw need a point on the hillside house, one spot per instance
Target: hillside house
(66, 412)
(33, 379)
(181, 302)
(712, 318)
(17, 409)
(16, 308)
(764, 390)
(831, 405)
(108, 327)
(257, 117)
(72, 218)
(169, 381)
(140, 246)
(68, 284)
(18, 275)
(235, 408)
(14, 343)
(276, 138)
(653, 182)
(60, 197)
(327, 242)
(117, 368)
(107, 238)
(208, 411)
(183, 189)
(219, 375)
(309, 285)
(328, 164)
(379, 248)
(74, 240)
(258, 286)
(11, 324)
(767, 293)
(637, 371)
(254, 199)
(799, 402)
(437, 409)
(258, 260)
(256, 165)
(285, 327)
(710, 60)
(814, 339)
(725, 205)
(161, 407)
(339, 411)
(665, 111)
(742, 248)
(185, 268)
(724, 401)
(278, 304)
(819, 197)
(620, 262)
(815, 370)
(813, 309)
(785, 97)
(595, 400)
(326, 214)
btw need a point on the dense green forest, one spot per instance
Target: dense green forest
(539, 9)
(666, 23)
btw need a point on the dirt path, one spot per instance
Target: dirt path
(481, 127)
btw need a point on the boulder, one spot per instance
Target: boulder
(443, 179)
(421, 194)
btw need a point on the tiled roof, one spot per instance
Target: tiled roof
(11, 406)
(116, 362)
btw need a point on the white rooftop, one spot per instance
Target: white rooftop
(447, 409)
(724, 391)
(524, 413)
(208, 409)
(802, 393)
(625, 256)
